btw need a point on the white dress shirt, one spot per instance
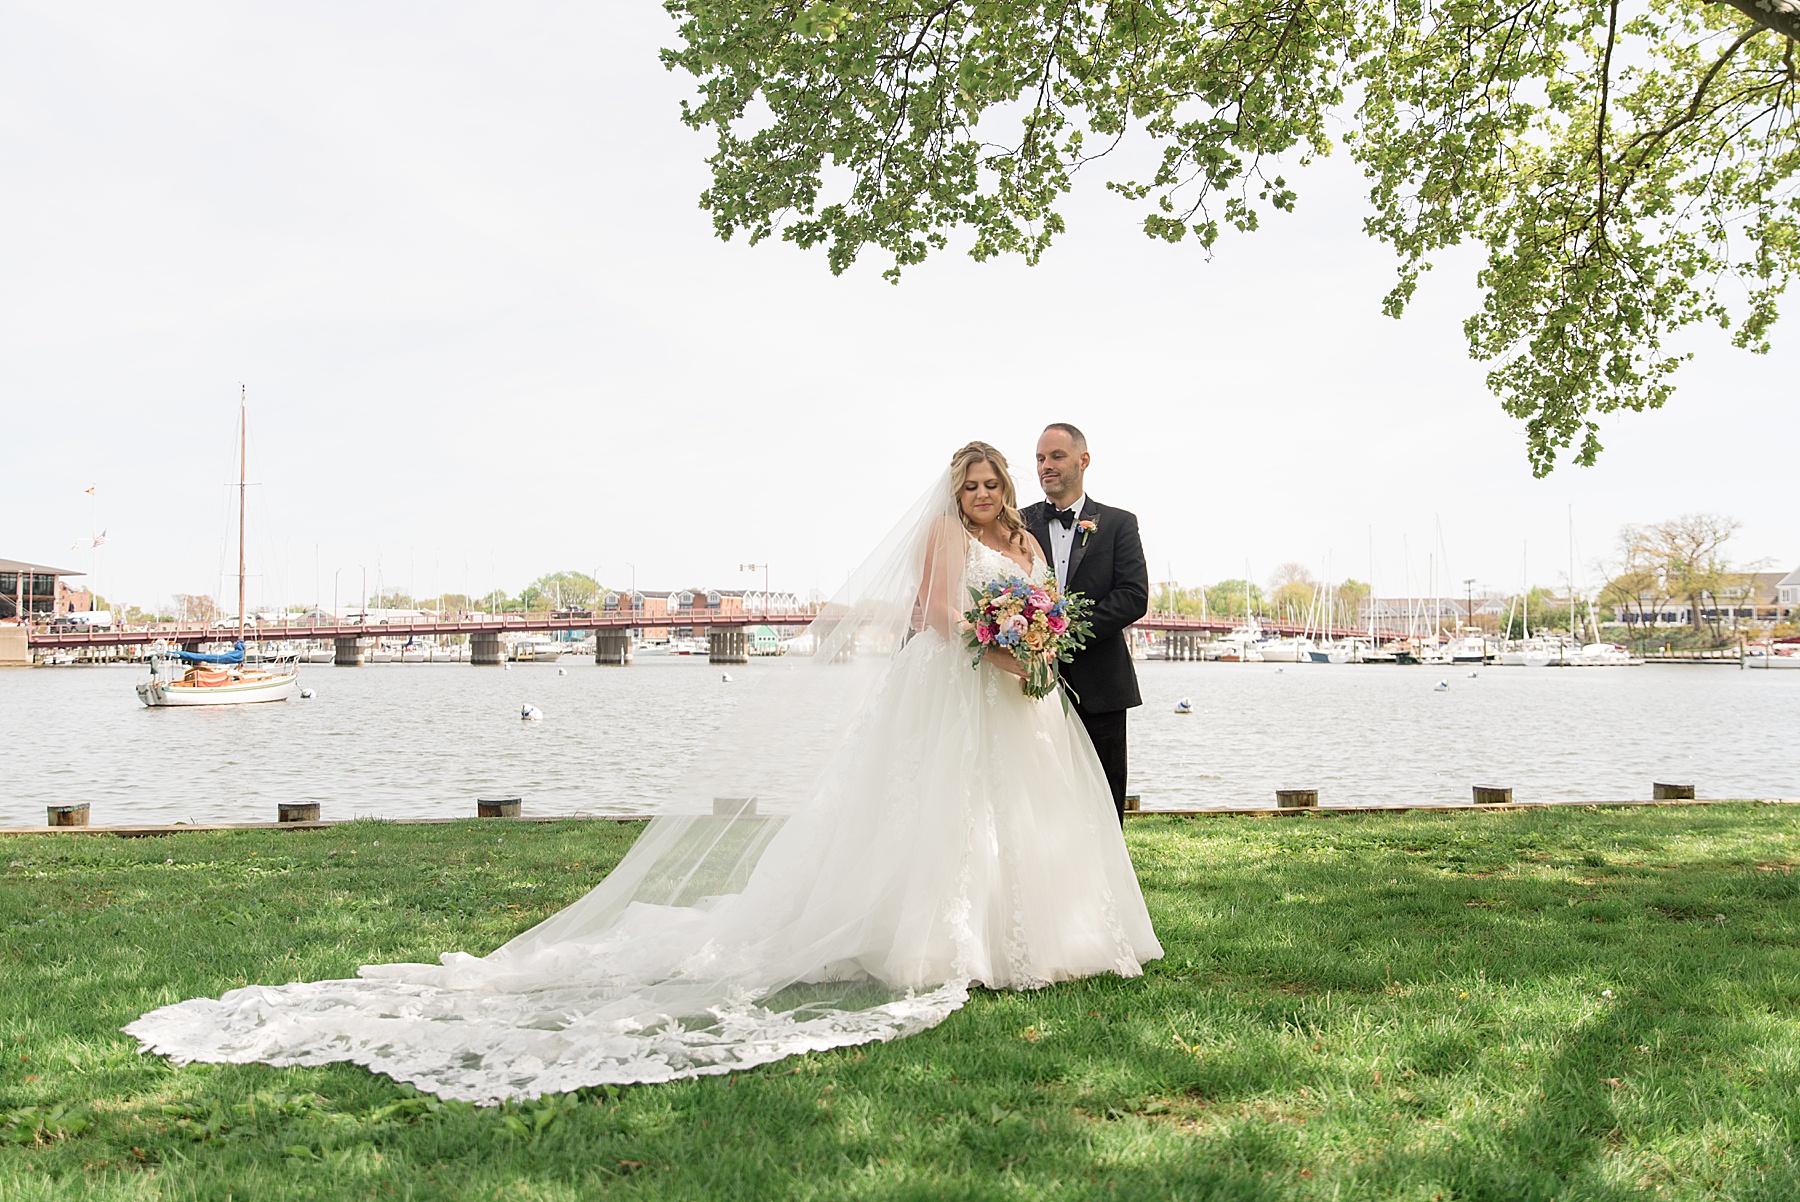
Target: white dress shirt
(1062, 540)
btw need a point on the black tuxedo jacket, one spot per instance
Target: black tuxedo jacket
(1108, 568)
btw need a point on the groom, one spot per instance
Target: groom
(1095, 551)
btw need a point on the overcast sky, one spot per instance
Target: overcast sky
(455, 255)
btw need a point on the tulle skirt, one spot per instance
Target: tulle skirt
(965, 836)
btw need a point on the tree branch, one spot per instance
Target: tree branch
(1612, 32)
(1776, 16)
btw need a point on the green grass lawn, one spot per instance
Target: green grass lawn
(1510, 1006)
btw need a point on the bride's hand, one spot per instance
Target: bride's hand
(1004, 661)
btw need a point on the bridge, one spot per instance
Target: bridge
(725, 632)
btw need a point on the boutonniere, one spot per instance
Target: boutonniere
(1087, 526)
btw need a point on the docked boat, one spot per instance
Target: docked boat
(1297, 650)
(1603, 655)
(1470, 646)
(688, 646)
(413, 653)
(1401, 651)
(1531, 653)
(1241, 646)
(1786, 655)
(1344, 651)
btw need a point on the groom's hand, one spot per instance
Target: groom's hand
(1005, 661)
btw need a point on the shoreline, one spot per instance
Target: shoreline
(156, 830)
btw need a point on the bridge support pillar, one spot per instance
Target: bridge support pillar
(15, 646)
(612, 647)
(347, 653)
(485, 649)
(727, 645)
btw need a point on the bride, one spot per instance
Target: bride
(878, 826)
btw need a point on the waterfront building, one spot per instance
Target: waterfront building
(1753, 597)
(35, 591)
(1787, 593)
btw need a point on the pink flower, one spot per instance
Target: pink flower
(1016, 624)
(1057, 622)
(1040, 599)
(986, 632)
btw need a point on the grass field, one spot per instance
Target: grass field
(1510, 1006)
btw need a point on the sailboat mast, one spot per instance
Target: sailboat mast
(243, 455)
(1573, 638)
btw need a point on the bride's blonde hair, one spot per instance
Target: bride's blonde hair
(962, 463)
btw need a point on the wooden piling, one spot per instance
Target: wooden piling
(1133, 803)
(1490, 795)
(297, 811)
(1296, 799)
(1665, 792)
(69, 815)
(499, 807)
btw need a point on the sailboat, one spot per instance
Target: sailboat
(219, 679)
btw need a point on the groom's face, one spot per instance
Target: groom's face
(1060, 466)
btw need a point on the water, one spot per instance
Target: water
(423, 740)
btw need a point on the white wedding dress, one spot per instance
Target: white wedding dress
(954, 833)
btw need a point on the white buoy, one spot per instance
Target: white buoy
(1474, 675)
(1184, 706)
(307, 694)
(530, 713)
(725, 678)
(562, 671)
(1442, 686)
(508, 667)
(1281, 669)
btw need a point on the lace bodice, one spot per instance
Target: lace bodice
(984, 565)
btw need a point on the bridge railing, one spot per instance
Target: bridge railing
(42, 635)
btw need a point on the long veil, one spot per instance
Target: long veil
(767, 910)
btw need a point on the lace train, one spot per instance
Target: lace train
(964, 834)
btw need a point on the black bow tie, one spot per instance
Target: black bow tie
(1065, 516)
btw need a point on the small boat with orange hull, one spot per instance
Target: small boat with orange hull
(214, 679)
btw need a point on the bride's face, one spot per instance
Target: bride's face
(983, 494)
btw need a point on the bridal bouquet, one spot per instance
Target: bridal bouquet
(1039, 623)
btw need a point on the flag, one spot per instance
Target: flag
(89, 490)
(100, 539)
